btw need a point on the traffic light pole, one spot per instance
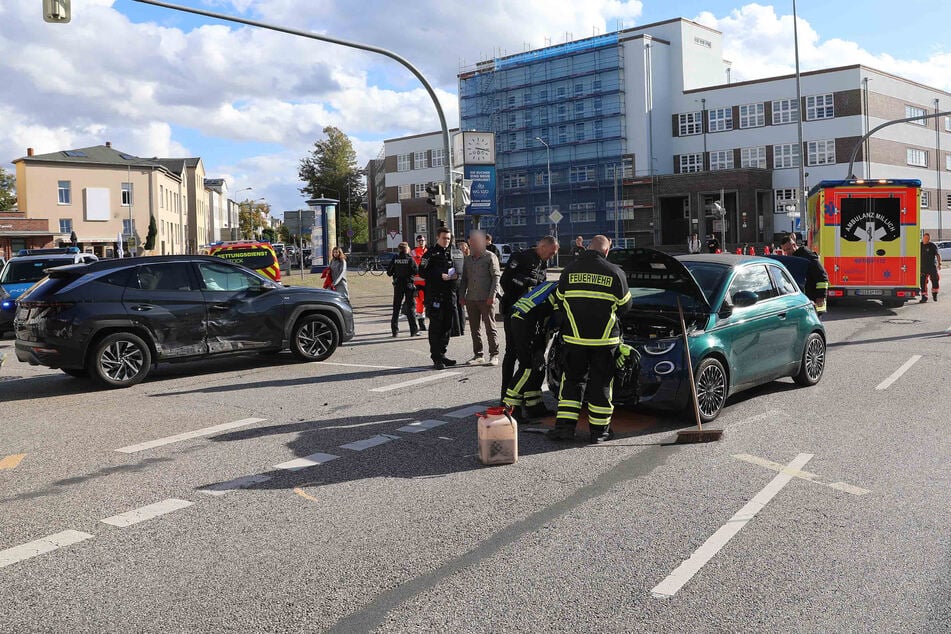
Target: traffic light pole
(339, 42)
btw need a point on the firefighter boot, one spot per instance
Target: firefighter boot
(561, 433)
(600, 434)
(537, 411)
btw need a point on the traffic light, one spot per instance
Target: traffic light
(56, 11)
(437, 197)
(461, 194)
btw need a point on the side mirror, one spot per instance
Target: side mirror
(742, 299)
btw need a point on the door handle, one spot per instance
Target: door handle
(141, 307)
(781, 315)
(220, 307)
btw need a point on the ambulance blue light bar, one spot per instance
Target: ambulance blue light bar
(867, 182)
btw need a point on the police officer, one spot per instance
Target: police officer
(531, 320)
(403, 269)
(525, 270)
(593, 293)
(440, 275)
(817, 280)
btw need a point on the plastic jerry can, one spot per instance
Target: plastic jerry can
(498, 437)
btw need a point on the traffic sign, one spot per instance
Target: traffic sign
(349, 233)
(556, 216)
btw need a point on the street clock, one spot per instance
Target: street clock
(473, 148)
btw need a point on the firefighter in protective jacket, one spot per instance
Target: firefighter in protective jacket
(593, 294)
(817, 280)
(530, 323)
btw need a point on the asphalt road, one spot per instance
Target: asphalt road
(209, 529)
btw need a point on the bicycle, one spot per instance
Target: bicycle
(371, 265)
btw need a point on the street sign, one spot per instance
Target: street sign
(349, 233)
(556, 216)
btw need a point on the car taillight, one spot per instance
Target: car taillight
(46, 308)
(836, 293)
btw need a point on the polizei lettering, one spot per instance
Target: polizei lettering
(590, 278)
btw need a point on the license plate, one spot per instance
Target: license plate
(870, 291)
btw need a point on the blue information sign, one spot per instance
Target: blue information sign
(482, 196)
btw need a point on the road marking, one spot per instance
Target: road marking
(370, 424)
(803, 475)
(243, 482)
(299, 491)
(11, 462)
(897, 373)
(307, 461)
(685, 571)
(422, 379)
(198, 433)
(466, 412)
(151, 511)
(421, 426)
(358, 365)
(366, 443)
(41, 546)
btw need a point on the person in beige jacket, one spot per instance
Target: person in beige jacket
(477, 289)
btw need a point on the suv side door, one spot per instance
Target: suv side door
(165, 299)
(245, 312)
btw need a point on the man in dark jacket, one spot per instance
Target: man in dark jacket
(930, 265)
(530, 322)
(817, 280)
(525, 270)
(437, 269)
(403, 269)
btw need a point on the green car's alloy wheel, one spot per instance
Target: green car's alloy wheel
(712, 386)
(813, 361)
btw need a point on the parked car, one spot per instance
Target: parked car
(115, 319)
(944, 250)
(505, 252)
(25, 269)
(748, 323)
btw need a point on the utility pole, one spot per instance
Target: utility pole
(802, 151)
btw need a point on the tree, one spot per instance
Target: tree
(8, 186)
(284, 233)
(267, 234)
(251, 217)
(150, 236)
(330, 169)
(360, 225)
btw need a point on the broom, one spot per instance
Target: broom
(689, 436)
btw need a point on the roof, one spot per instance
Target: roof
(727, 259)
(105, 155)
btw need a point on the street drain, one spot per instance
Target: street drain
(902, 322)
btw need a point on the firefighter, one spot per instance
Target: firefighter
(403, 270)
(930, 263)
(420, 283)
(441, 287)
(525, 270)
(817, 280)
(593, 294)
(530, 324)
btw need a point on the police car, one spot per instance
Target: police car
(28, 267)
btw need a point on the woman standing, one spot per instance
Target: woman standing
(338, 272)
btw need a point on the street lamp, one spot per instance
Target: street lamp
(237, 221)
(548, 163)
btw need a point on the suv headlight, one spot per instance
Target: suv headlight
(657, 348)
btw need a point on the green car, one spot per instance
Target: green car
(747, 321)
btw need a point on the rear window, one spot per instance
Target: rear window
(251, 257)
(45, 289)
(29, 271)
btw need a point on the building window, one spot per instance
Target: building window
(65, 192)
(581, 174)
(126, 194)
(627, 169)
(925, 199)
(721, 160)
(948, 201)
(527, 99)
(720, 119)
(598, 129)
(562, 134)
(510, 101)
(439, 158)
(403, 163)
(916, 157)
(579, 132)
(543, 95)
(579, 89)
(419, 190)
(562, 112)
(691, 123)
(542, 213)
(419, 161)
(786, 155)
(626, 206)
(541, 179)
(515, 217)
(753, 115)
(161, 198)
(487, 222)
(915, 111)
(820, 107)
(513, 121)
(65, 225)
(947, 162)
(820, 152)
(947, 124)
(691, 162)
(512, 180)
(785, 111)
(405, 192)
(581, 212)
(579, 109)
(596, 85)
(543, 116)
(753, 157)
(561, 92)
(128, 227)
(785, 198)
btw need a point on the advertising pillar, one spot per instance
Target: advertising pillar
(323, 235)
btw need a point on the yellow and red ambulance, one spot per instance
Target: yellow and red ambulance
(259, 256)
(867, 234)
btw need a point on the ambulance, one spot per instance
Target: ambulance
(255, 255)
(867, 234)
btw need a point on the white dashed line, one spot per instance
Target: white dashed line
(422, 379)
(144, 513)
(307, 461)
(466, 412)
(421, 426)
(366, 443)
(41, 547)
(370, 424)
(359, 365)
(233, 485)
(198, 433)
(685, 571)
(897, 373)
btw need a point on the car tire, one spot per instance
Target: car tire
(314, 338)
(813, 361)
(554, 366)
(713, 387)
(119, 360)
(79, 373)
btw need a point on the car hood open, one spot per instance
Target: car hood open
(648, 268)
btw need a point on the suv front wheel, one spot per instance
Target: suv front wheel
(121, 359)
(315, 337)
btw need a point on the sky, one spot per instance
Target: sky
(252, 102)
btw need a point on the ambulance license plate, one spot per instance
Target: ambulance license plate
(869, 291)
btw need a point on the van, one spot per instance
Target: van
(258, 256)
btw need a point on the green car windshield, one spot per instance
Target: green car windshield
(709, 276)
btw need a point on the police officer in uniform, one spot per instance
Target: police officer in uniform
(441, 280)
(403, 269)
(593, 294)
(525, 270)
(531, 318)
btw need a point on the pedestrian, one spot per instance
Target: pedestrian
(491, 247)
(458, 259)
(525, 270)
(713, 245)
(403, 270)
(817, 280)
(578, 247)
(418, 254)
(531, 321)
(594, 294)
(930, 264)
(441, 280)
(693, 243)
(338, 272)
(477, 288)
